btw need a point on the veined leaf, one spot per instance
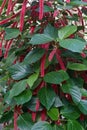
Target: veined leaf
(42, 125)
(56, 77)
(47, 97)
(40, 39)
(77, 66)
(11, 33)
(66, 31)
(73, 45)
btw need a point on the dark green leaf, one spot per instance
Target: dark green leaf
(51, 31)
(78, 3)
(53, 113)
(42, 125)
(66, 31)
(57, 127)
(6, 117)
(31, 105)
(18, 88)
(34, 55)
(76, 94)
(70, 112)
(56, 77)
(74, 125)
(40, 39)
(11, 33)
(58, 102)
(20, 71)
(23, 97)
(83, 106)
(25, 122)
(47, 97)
(73, 45)
(77, 66)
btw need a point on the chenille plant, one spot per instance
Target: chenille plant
(43, 64)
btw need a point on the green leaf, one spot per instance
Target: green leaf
(24, 97)
(25, 122)
(31, 105)
(56, 77)
(83, 106)
(58, 102)
(73, 45)
(66, 31)
(31, 80)
(47, 8)
(42, 125)
(11, 33)
(51, 31)
(77, 66)
(40, 39)
(70, 112)
(84, 92)
(76, 94)
(47, 97)
(57, 127)
(18, 88)
(34, 55)
(78, 3)
(6, 117)
(74, 125)
(53, 113)
(20, 71)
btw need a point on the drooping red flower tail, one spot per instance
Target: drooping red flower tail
(0, 49)
(52, 53)
(15, 119)
(81, 17)
(8, 19)
(43, 59)
(9, 43)
(23, 11)
(9, 7)
(13, 4)
(34, 116)
(43, 115)
(58, 56)
(2, 6)
(67, 1)
(37, 105)
(42, 67)
(32, 28)
(41, 9)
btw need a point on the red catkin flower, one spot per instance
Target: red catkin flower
(34, 116)
(2, 6)
(32, 29)
(15, 120)
(0, 49)
(9, 43)
(41, 9)
(9, 7)
(8, 19)
(37, 105)
(43, 115)
(43, 65)
(67, 1)
(58, 56)
(23, 10)
(52, 54)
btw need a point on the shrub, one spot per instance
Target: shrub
(43, 67)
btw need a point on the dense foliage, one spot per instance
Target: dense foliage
(43, 64)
